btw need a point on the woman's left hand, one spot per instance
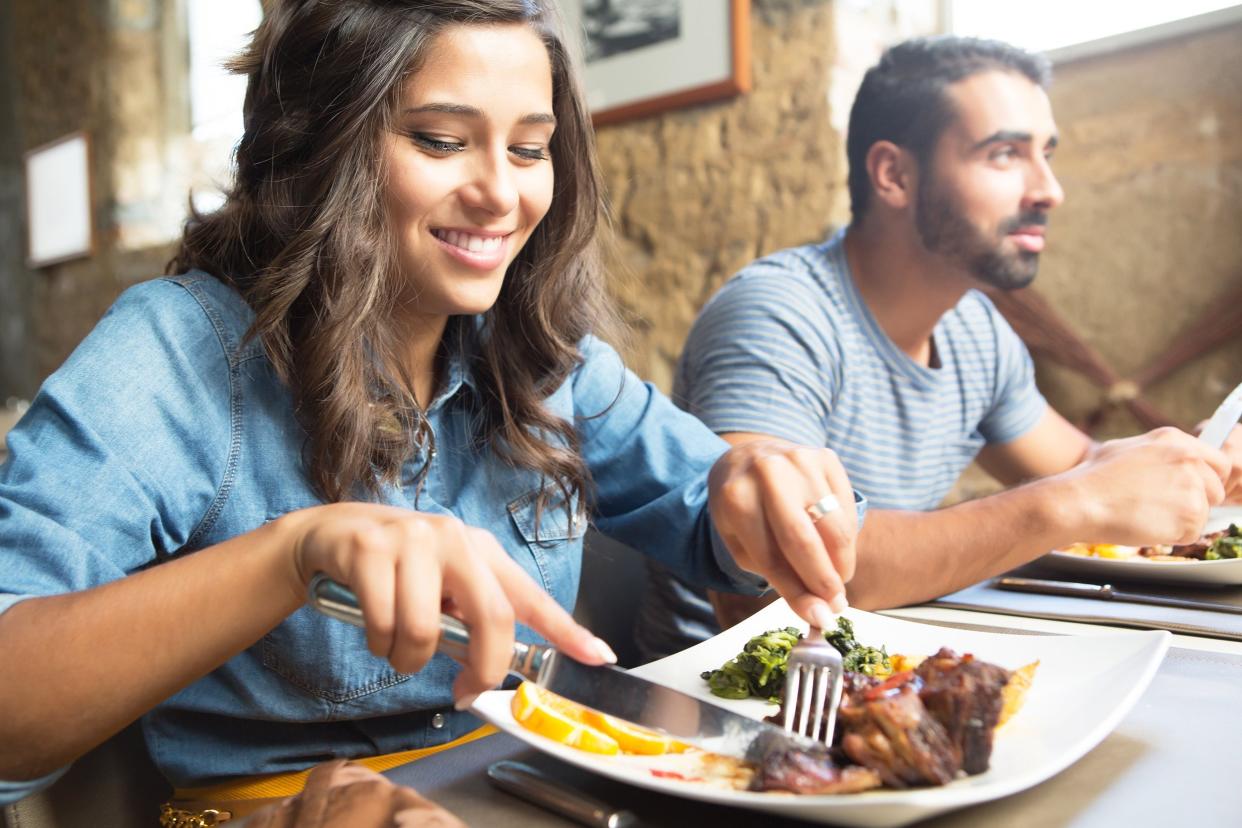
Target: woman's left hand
(761, 494)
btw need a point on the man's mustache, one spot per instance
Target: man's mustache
(1031, 218)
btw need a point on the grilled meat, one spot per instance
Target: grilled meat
(964, 696)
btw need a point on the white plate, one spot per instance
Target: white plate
(1083, 688)
(1202, 573)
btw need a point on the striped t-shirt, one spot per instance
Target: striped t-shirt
(788, 348)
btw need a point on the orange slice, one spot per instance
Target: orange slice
(558, 719)
(632, 738)
(572, 724)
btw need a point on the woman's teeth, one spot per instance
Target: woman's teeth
(466, 241)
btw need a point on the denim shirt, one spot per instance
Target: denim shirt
(164, 433)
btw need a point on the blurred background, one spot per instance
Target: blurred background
(1143, 272)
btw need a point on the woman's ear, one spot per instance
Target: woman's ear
(893, 173)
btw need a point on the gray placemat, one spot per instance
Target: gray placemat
(988, 598)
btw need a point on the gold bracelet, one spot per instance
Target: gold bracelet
(171, 817)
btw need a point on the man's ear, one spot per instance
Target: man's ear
(893, 173)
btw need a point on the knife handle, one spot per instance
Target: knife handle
(1043, 587)
(525, 782)
(338, 601)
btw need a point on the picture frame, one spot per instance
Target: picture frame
(642, 57)
(59, 224)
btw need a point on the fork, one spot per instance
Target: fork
(813, 688)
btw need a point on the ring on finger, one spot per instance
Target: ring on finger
(822, 507)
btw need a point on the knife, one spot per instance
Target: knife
(1107, 593)
(606, 688)
(1223, 419)
(525, 782)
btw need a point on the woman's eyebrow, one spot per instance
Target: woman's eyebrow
(467, 111)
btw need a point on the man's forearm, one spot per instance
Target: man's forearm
(909, 557)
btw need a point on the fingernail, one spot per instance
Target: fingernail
(838, 603)
(464, 702)
(822, 616)
(605, 652)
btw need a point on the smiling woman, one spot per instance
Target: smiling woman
(379, 360)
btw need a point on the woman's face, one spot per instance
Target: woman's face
(470, 175)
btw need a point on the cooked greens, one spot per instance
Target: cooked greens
(855, 657)
(1228, 545)
(759, 670)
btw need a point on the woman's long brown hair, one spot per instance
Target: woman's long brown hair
(304, 238)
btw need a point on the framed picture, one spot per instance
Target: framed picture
(646, 56)
(58, 201)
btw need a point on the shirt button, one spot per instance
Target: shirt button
(437, 721)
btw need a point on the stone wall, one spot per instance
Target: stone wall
(700, 192)
(1150, 234)
(98, 66)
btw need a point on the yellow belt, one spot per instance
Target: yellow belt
(288, 784)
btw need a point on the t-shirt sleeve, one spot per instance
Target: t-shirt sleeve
(761, 358)
(116, 461)
(1017, 405)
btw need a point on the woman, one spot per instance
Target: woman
(377, 362)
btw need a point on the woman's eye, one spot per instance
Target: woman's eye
(434, 144)
(530, 153)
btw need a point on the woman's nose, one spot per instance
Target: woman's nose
(493, 187)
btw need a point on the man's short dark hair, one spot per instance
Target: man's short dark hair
(902, 98)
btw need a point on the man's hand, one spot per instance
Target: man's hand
(759, 493)
(1153, 488)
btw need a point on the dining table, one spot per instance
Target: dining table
(1172, 760)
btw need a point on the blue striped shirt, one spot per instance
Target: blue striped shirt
(789, 348)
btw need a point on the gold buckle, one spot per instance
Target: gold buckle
(171, 817)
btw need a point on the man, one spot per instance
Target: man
(879, 344)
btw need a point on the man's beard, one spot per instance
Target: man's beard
(946, 231)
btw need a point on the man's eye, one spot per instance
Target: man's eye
(430, 142)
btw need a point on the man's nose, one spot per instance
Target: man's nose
(1043, 189)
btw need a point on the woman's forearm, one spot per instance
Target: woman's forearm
(81, 666)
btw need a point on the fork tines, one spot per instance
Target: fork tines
(813, 688)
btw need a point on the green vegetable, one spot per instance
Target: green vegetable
(855, 657)
(759, 670)
(1228, 545)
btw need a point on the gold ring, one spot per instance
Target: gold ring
(820, 508)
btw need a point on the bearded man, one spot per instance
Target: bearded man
(881, 344)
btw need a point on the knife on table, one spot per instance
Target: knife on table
(606, 688)
(1223, 419)
(525, 782)
(1107, 593)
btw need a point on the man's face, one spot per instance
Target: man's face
(984, 197)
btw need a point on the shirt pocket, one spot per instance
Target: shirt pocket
(326, 658)
(553, 537)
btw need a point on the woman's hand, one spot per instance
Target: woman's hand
(407, 567)
(759, 495)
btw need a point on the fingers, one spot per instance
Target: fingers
(418, 591)
(470, 580)
(538, 610)
(759, 505)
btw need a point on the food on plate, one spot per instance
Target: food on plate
(921, 727)
(572, 724)
(1212, 546)
(759, 670)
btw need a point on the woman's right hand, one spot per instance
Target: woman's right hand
(407, 567)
